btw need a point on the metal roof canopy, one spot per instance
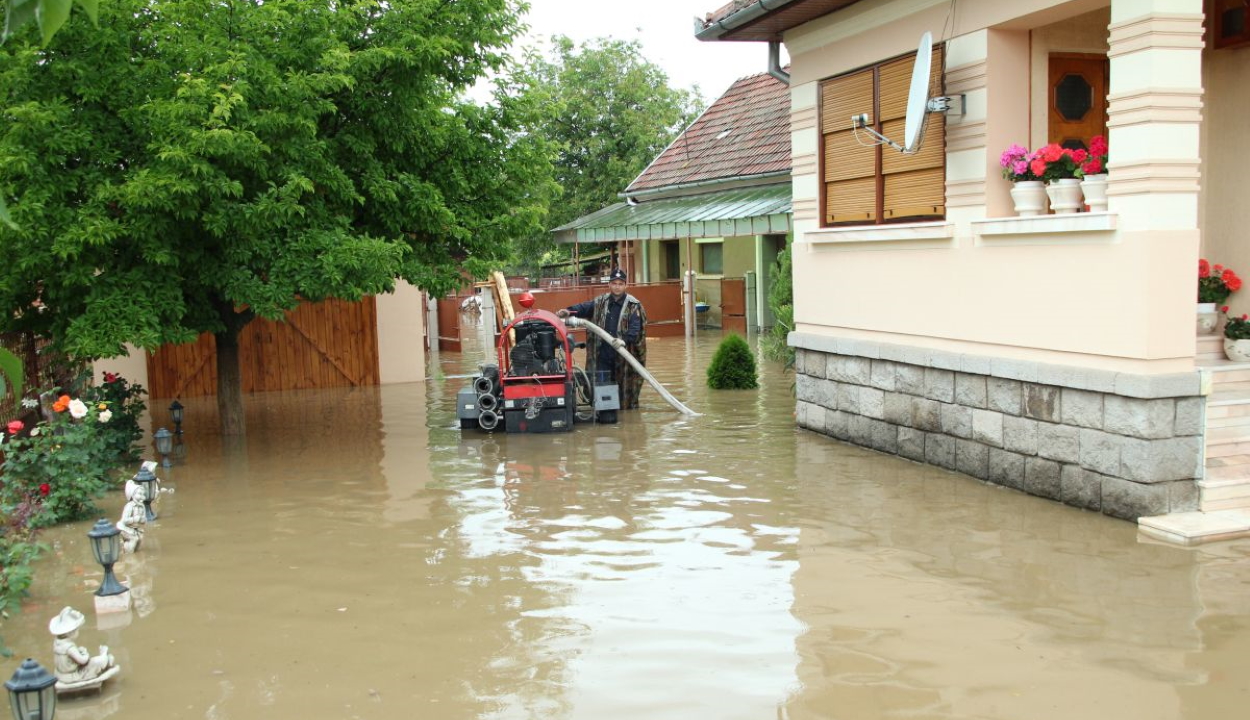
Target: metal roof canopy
(728, 213)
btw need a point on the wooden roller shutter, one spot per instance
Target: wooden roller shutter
(914, 185)
(850, 168)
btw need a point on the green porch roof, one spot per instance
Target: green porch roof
(728, 213)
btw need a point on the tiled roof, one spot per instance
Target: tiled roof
(745, 132)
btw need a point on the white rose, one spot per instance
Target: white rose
(106, 415)
(34, 432)
(77, 409)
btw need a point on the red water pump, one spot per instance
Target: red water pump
(535, 388)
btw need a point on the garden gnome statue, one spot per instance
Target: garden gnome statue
(75, 667)
(134, 516)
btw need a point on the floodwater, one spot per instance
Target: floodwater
(357, 556)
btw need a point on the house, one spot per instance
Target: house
(712, 209)
(1053, 354)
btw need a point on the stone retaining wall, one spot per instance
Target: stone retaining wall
(1121, 444)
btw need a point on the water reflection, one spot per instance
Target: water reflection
(357, 555)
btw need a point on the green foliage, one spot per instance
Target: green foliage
(188, 166)
(1237, 328)
(60, 468)
(733, 366)
(781, 302)
(124, 403)
(49, 15)
(609, 111)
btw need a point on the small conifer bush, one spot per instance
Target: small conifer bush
(733, 366)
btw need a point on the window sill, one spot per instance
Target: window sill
(925, 235)
(1023, 227)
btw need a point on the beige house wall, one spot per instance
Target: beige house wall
(1096, 291)
(1225, 214)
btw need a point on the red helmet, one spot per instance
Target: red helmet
(526, 300)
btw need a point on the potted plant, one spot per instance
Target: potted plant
(1060, 168)
(1215, 284)
(1094, 175)
(1237, 338)
(1028, 192)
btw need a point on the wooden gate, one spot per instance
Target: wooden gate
(332, 343)
(449, 323)
(733, 305)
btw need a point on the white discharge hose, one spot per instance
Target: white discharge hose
(575, 322)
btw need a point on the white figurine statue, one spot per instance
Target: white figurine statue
(134, 517)
(75, 667)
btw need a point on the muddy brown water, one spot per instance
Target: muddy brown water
(357, 556)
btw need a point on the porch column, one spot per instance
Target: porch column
(1154, 118)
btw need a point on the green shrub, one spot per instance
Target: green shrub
(18, 550)
(781, 302)
(733, 366)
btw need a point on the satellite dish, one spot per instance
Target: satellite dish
(918, 103)
(918, 96)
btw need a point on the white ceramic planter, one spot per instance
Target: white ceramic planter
(1237, 350)
(1029, 197)
(1065, 195)
(1094, 189)
(1208, 318)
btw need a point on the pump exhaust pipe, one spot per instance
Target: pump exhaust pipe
(487, 402)
(483, 385)
(488, 419)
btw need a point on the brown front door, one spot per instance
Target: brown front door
(1077, 99)
(733, 305)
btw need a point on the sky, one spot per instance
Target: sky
(666, 30)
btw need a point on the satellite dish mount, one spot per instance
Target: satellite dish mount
(919, 104)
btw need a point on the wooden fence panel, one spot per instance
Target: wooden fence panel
(328, 344)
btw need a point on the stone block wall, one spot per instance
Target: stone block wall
(1121, 444)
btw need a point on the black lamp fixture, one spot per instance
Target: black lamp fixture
(32, 692)
(164, 440)
(107, 547)
(175, 414)
(147, 480)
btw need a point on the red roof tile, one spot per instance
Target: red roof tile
(745, 132)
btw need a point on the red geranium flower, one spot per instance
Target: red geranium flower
(16, 426)
(44, 489)
(1204, 268)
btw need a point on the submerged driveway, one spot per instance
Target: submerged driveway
(357, 556)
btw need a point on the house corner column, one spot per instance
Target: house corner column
(1154, 120)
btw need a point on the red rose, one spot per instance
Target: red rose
(110, 377)
(44, 489)
(16, 426)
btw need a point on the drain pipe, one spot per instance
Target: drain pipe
(774, 62)
(576, 322)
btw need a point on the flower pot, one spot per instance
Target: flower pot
(1094, 188)
(1029, 197)
(1065, 195)
(1208, 318)
(1237, 350)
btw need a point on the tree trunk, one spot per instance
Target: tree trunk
(229, 377)
(229, 384)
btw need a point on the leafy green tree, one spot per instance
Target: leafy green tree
(775, 343)
(610, 112)
(733, 366)
(188, 166)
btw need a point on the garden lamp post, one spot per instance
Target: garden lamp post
(164, 440)
(32, 692)
(107, 547)
(175, 414)
(145, 479)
